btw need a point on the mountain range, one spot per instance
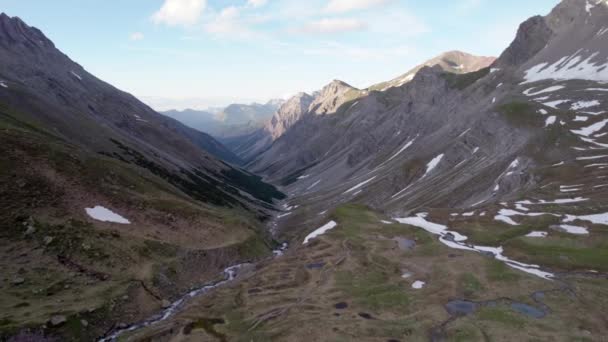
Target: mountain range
(224, 123)
(464, 200)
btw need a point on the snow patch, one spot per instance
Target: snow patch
(593, 218)
(554, 104)
(418, 284)
(506, 219)
(405, 147)
(567, 68)
(584, 104)
(591, 157)
(587, 131)
(529, 92)
(320, 231)
(456, 240)
(594, 113)
(591, 4)
(433, 164)
(103, 214)
(537, 234)
(434, 228)
(76, 75)
(602, 31)
(574, 229)
(360, 185)
(557, 201)
(514, 164)
(314, 184)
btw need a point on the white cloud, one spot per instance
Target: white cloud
(229, 23)
(341, 6)
(256, 3)
(238, 22)
(335, 25)
(135, 36)
(179, 12)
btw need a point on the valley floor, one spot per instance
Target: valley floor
(372, 279)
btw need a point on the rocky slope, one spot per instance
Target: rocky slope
(319, 128)
(329, 99)
(109, 208)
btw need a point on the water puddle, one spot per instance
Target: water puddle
(365, 315)
(405, 244)
(315, 266)
(528, 310)
(341, 305)
(461, 307)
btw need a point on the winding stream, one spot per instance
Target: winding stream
(230, 274)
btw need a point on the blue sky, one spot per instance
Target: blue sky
(197, 53)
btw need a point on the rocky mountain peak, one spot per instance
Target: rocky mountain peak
(459, 58)
(332, 96)
(296, 99)
(569, 12)
(460, 62)
(532, 36)
(299, 95)
(13, 31)
(451, 61)
(288, 114)
(336, 86)
(573, 31)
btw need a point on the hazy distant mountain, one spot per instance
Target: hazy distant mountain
(234, 120)
(250, 144)
(201, 120)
